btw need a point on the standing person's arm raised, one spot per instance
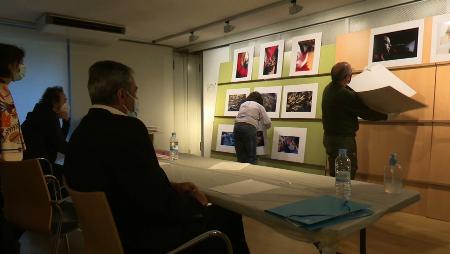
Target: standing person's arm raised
(264, 118)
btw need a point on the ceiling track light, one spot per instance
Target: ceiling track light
(193, 37)
(228, 28)
(294, 8)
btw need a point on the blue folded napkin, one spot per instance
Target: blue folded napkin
(317, 212)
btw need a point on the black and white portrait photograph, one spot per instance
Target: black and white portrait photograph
(397, 45)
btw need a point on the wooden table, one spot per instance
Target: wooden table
(294, 186)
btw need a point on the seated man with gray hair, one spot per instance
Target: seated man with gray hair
(111, 152)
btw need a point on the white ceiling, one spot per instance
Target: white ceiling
(147, 20)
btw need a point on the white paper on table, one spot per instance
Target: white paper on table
(229, 165)
(162, 156)
(244, 187)
(162, 163)
(382, 91)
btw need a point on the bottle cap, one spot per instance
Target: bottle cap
(342, 151)
(393, 159)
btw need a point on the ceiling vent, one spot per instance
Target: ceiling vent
(80, 30)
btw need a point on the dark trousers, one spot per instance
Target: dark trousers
(227, 222)
(210, 218)
(333, 144)
(9, 236)
(245, 142)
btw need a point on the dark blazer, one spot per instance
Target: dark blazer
(341, 108)
(43, 134)
(113, 154)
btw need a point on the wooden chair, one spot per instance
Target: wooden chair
(100, 232)
(27, 201)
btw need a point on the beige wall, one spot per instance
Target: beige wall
(153, 74)
(187, 102)
(211, 64)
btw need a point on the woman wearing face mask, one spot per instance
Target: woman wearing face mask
(42, 130)
(11, 142)
(11, 70)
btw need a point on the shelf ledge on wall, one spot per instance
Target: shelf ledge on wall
(407, 122)
(275, 79)
(405, 67)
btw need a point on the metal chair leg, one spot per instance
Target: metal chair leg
(67, 243)
(58, 230)
(362, 241)
(56, 244)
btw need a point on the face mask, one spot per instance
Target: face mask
(136, 107)
(21, 74)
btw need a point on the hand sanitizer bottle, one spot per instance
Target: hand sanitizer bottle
(393, 182)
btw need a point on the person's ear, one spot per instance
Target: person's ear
(12, 68)
(121, 96)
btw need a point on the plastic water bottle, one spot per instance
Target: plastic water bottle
(343, 175)
(173, 147)
(393, 175)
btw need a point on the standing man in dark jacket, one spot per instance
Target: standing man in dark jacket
(42, 130)
(111, 152)
(341, 108)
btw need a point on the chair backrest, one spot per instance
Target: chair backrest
(27, 201)
(97, 223)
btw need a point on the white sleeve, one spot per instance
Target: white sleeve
(265, 119)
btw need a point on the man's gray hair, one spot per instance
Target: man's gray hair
(105, 79)
(340, 71)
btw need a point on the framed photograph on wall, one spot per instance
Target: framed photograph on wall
(271, 99)
(271, 60)
(225, 138)
(305, 54)
(261, 142)
(396, 45)
(300, 101)
(233, 100)
(289, 144)
(440, 39)
(242, 64)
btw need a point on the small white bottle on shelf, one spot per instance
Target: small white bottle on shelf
(393, 175)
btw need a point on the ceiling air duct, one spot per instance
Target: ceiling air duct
(80, 30)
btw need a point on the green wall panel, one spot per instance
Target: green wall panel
(327, 58)
(225, 70)
(315, 156)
